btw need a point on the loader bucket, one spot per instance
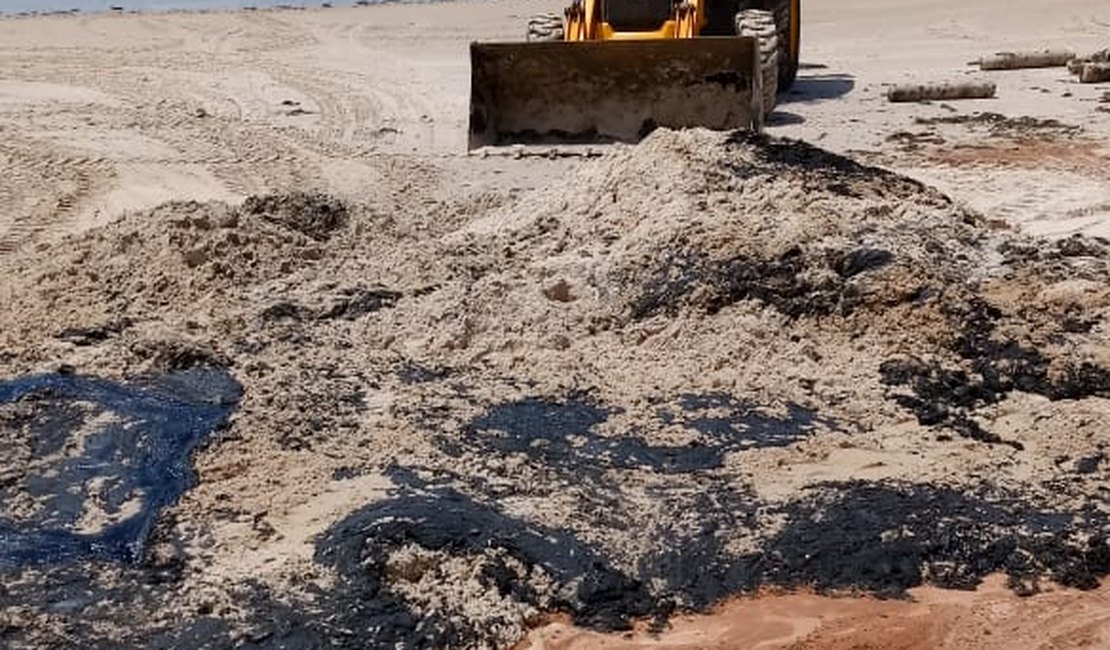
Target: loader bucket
(606, 91)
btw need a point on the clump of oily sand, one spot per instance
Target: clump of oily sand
(697, 222)
(640, 389)
(464, 589)
(180, 252)
(185, 260)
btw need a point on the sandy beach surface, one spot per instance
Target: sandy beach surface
(100, 112)
(842, 387)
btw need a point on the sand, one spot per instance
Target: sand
(100, 113)
(480, 392)
(991, 617)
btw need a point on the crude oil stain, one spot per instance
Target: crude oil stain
(562, 434)
(98, 445)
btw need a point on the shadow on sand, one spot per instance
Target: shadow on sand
(811, 89)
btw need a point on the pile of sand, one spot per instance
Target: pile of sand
(699, 366)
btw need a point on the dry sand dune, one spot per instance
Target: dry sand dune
(628, 401)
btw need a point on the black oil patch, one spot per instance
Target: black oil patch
(285, 311)
(354, 302)
(886, 539)
(1021, 252)
(948, 396)
(1089, 464)
(736, 425)
(826, 172)
(863, 259)
(944, 397)
(562, 434)
(414, 373)
(839, 537)
(691, 562)
(170, 356)
(350, 303)
(1004, 126)
(882, 539)
(346, 473)
(93, 445)
(878, 538)
(795, 283)
(592, 591)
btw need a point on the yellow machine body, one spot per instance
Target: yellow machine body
(614, 78)
(609, 91)
(584, 23)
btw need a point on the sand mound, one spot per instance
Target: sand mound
(700, 366)
(696, 221)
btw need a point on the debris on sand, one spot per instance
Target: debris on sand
(699, 366)
(1093, 73)
(942, 91)
(1092, 68)
(1030, 59)
(998, 125)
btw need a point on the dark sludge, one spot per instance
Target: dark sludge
(563, 433)
(119, 443)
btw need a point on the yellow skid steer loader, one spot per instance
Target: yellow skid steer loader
(613, 70)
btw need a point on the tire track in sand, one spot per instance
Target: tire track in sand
(43, 188)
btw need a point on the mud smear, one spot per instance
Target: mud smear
(888, 538)
(96, 446)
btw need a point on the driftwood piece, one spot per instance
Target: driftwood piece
(1093, 73)
(1018, 60)
(941, 91)
(1076, 65)
(1102, 56)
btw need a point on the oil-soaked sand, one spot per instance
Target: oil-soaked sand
(482, 392)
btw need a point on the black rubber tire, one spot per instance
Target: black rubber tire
(545, 27)
(788, 59)
(761, 24)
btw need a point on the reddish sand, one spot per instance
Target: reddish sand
(992, 618)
